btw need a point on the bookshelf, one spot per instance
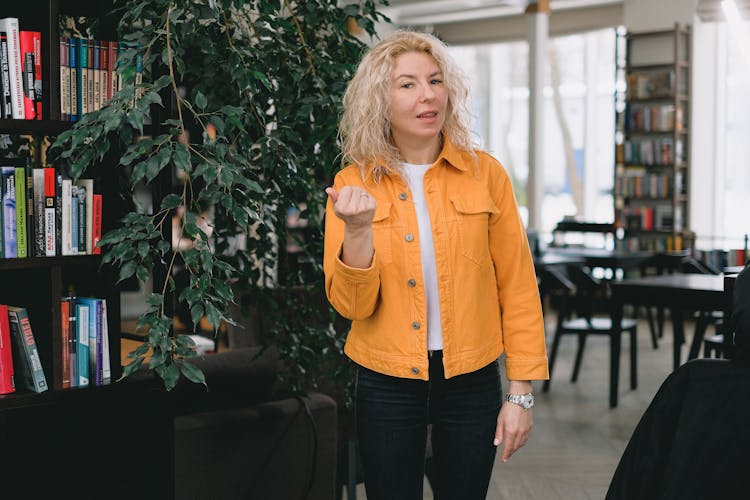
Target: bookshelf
(652, 139)
(39, 283)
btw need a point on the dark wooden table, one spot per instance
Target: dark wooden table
(601, 257)
(674, 291)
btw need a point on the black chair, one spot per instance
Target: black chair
(582, 296)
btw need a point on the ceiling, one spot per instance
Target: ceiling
(424, 12)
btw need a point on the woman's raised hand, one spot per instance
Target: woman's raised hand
(353, 205)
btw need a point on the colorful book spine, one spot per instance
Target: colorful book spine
(30, 224)
(38, 86)
(74, 215)
(96, 230)
(83, 76)
(50, 242)
(73, 339)
(26, 46)
(105, 86)
(6, 101)
(65, 341)
(106, 365)
(7, 383)
(82, 350)
(114, 74)
(64, 78)
(25, 350)
(38, 190)
(74, 79)
(9, 25)
(91, 73)
(96, 90)
(65, 219)
(21, 237)
(7, 174)
(86, 195)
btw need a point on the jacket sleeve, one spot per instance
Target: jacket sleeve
(517, 290)
(352, 292)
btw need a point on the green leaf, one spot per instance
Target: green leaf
(127, 270)
(192, 373)
(171, 201)
(132, 367)
(181, 158)
(155, 300)
(200, 100)
(196, 313)
(170, 374)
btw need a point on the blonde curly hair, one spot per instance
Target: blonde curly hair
(364, 130)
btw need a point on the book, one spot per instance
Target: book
(7, 384)
(105, 86)
(50, 241)
(21, 237)
(86, 195)
(96, 230)
(29, 179)
(64, 78)
(26, 46)
(25, 353)
(74, 78)
(8, 192)
(90, 74)
(114, 79)
(6, 102)
(66, 233)
(83, 76)
(74, 216)
(65, 341)
(72, 345)
(38, 84)
(38, 191)
(106, 365)
(94, 338)
(96, 91)
(9, 26)
(82, 345)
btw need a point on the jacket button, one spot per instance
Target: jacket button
(409, 237)
(415, 370)
(412, 283)
(402, 196)
(415, 325)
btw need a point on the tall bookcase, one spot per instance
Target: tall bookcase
(39, 283)
(652, 139)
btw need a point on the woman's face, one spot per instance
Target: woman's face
(418, 98)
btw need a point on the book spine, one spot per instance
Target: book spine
(65, 341)
(74, 79)
(96, 230)
(9, 211)
(97, 84)
(21, 237)
(39, 243)
(26, 46)
(23, 336)
(90, 79)
(38, 92)
(50, 245)
(29, 180)
(83, 77)
(58, 211)
(65, 219)
(73, 344)
(6, 101)
(114, 74)
(10, 26)
(82, 353)
(64, 79)
(106, 367)
(81, 220)
(7, 383)
(104, 79)
(74, 220)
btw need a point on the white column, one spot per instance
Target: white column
(538, 15)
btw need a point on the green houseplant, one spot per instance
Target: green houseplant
(247, 96)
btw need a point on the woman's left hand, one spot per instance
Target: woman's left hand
(513, 429)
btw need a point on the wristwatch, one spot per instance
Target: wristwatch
(525, 401)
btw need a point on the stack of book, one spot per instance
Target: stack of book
(84, 332)
(19, 357)
(20, 72)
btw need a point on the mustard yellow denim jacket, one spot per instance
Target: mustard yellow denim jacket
(489, 300)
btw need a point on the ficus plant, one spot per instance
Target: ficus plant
(240, 99)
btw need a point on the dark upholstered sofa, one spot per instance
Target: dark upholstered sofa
(240, 439)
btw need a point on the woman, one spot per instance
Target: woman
(426, 253)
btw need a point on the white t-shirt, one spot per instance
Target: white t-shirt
(415, 177)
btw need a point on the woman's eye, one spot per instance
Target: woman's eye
(435, 81)
(407, 85)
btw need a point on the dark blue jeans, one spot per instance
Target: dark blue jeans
(392, 418)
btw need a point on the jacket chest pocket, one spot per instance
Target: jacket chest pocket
(473, 211)
(382, 233)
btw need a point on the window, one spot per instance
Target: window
(579, 120)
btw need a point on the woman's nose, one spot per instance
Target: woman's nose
(427, 92)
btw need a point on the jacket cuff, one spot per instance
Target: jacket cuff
(527, 369)
(353, 274)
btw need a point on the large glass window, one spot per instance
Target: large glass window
(579, 120)
(735, 191)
